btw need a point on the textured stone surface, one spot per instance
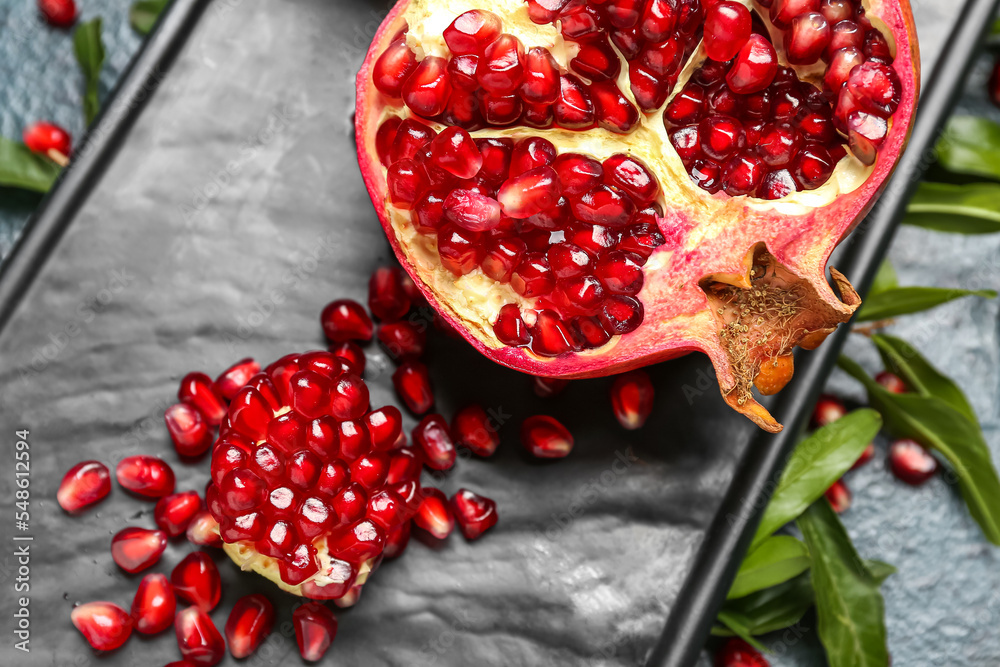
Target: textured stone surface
(221, 264)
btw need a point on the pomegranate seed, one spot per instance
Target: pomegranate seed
(865, 457)
(624, 13)
(910, 462)
(876, 47)
(345, 319)
(154, 605)
(777, 184)
(413, 384)
(396, 540)
(663, 59)
(836, 10)
(435, 514)
(475, 514)
(620, 273)
(876, 87)
(135, 549)
(509, 328)
(234, 378)
(737, 653)
(754, 67)
(532, 277)
(828, 410)
(196, 579)
(843, 62)
(496, 155)
(387, 300)
(784, 11)
(807, 39)
(384, 426)
(315, 629)
(350, 354)
(603, 205)
(813, 166)
(104, 625)
(574, 110)
(460, 249)
(597, 61)
(411, 137)
(501, 67)
(370, 470)
(58, 13)
(865, 134)
(455, 152)
(198, 390)
(546, 387)
(843, 35)
(204, 530)
(721, 136)
(472, 31)
(427, 89)
(406, 181)
(359, 542)
(540, 84)
(545, 437)
(707, 174)
(632, 399)
(83, 485)
(631, 176)
(393, 68)
(550, 336)
(49, 139)
(659, 19)
(145, 475)
(502, 257)
(174, 513)
(687, 142)
(404, 466)
(249, 624)
(839, 496)
(580, 21)
(688, 105)
(402, 340)
(727, 29)
(473, 428)
(892, 382)
(433, 438)
(471, 210)
(529, 193)
(189, 431)
(385, 138)
(649, 90)
(621, 315)
(198, 638)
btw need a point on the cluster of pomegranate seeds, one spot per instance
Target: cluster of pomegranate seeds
(737, 653)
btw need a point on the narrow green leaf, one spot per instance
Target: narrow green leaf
(771, 609)
(880, 571)
(885, 279)
(743, 632)
(903, 359)
(849, 607)
(935, 423)
(20, 168)
(817, 462)
(973, 208)
(776, 560)
(89, 50)
(907, 300)
(144, 14)
(970, 145)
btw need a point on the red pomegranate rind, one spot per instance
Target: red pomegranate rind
(716, 250)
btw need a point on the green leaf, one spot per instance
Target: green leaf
(735, 625)
(880, 571)
(771, 609)
(973, 208)
(970, 145)
(935, 423)
(903, 359)
(20, 168)
(885, 279)
(817, 462)
(907, 300)
(849, 607)
(776, 560)
(89, 50)
(144, 14)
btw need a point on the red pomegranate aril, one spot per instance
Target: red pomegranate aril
(632, 399)
(173, 513)
(650, 90)
(462, 72)
(473, 428)
(529, 193)
(865, 457)
(754, 67)
(574, 110)
(310, 394)
(844, 60)
(249, 624)
(621, 315)
(435, 514)
(413, 384)
(631, 176)
(350, 398)
(428, 212)
(83, 485)
(411, 137)
(471, 210)
(154, 605)
(550, 336)
(540, 84)
(727, 29)
(196, 580)
(687, 106)
(510, 328)
(545, 437)
(839, 496)
(500, 110)
(721, 136)
(891, 382)
(351, 354)
(135, 549)
(234, 378)
(199, 640)
(579, 296)
(387, 300)
(568, 260)
(777, 184)
(737, 653)
(910, 462)
(404, 466)
(580, 21)
(624, 13)
(641, 239)
(548, 387)
(807, 39)
(658, 19)
(620, 273)
(145, 475)
(496, 154)
(460, 250)
(384, 139)
(474, 513)
(427, 89)
(828, 410)
(533, 276)
(577, 173)
(393, 68)
(597, 61)
(502, 257)
(384, 426)
(614, 111)
(396, 540)
(315, 629)
(104, 625)
(662, 59)
(454, 151)
(501, 66)
(844, 34)
(836, 10)
(865, 133)
(707, 175)
(538, 115)
(386, 509)
(299, 565)
(784, 11)
(370, 470)
(876, 47)
(687, 142)
(434, 439)
(603, 205)
(531, 153)
(189, 430)
(58, 13)
(470, 32)
(778, 144)
(204, 530)
(876, 88)
(345, 319)
(742, 175)
(813, 166)
(198, 390)
(406, 182)
(402, 340)
(358, 543)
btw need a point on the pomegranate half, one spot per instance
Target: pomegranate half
(581, 190)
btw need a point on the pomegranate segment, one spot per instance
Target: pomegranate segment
(104, 625)
(249, 624)
(83, 485)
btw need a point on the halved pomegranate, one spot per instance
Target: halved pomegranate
(579, 190)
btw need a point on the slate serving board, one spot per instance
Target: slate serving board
(231, 215)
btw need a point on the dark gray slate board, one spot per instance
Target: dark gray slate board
(232, 215)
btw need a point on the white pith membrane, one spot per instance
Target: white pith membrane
(475, 299)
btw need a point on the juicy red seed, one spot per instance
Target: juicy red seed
(632, 399)
(865, 457)
(249, 624)
(370, 470)
(687, 106)
(529, 193)
(777, 184)
(892, 382)
(303, 469)
(413, 384)
(836, 10)
(135, 549)
(315, 629)
(472, 31)
(574, 110)
(547, 387)
(345, 319)
(58, 13)
(384, 427)
(545, 437)
(384, 139)
(234, 378)
(359, 542)
(580, 21)
(387, 300)
(614, 111)
(188, 430)
(496, 155)
(349, 505)
(687, 142)
(471, 210)
(83, 485)
(427, 90)
(198, 390)
(406, 181)
(707, 174)
(342, 575)
(199, 640)
(742, 175)
(550, 336)
(501, 67)
(828, 410)
(568, 260)
(784, 11)
(538, 115)
(510, 328)
(404, 466)
(462, 71)
(621, 315)
(839, 496)
(807, 39)
(411, 137)
(435, 514)
(844, 61)
(597, 61)
(630, 175)
(721, 136)
(396, 540)
(434, 439)
(145, 475)
(455, 152)
(754, 67)
(531, 153)
(624, 13)
(577, 173)
(659, 19)
(532, 277)
(104, 625)
(737, 653)
(393, 68)
(428, 213)
(314, 517)
(813, 166)
(299, 565)
(603, 205)
(402, 340)
(620, 273)
(844, 34)
(540, 84)
(910, 462)
(203, 530)
(500, 109)
(650, 90)
(876, 47)
(350, 398)
(473, 428)
(154, 605)
(475, 513)
(173, 513)
(641, 240)
(727, 29)
(664, 58)
(196, 579)
(460, 250)
(386, 509)
(778, 144)
(502, 257)
(876, 87)
(310, 394)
